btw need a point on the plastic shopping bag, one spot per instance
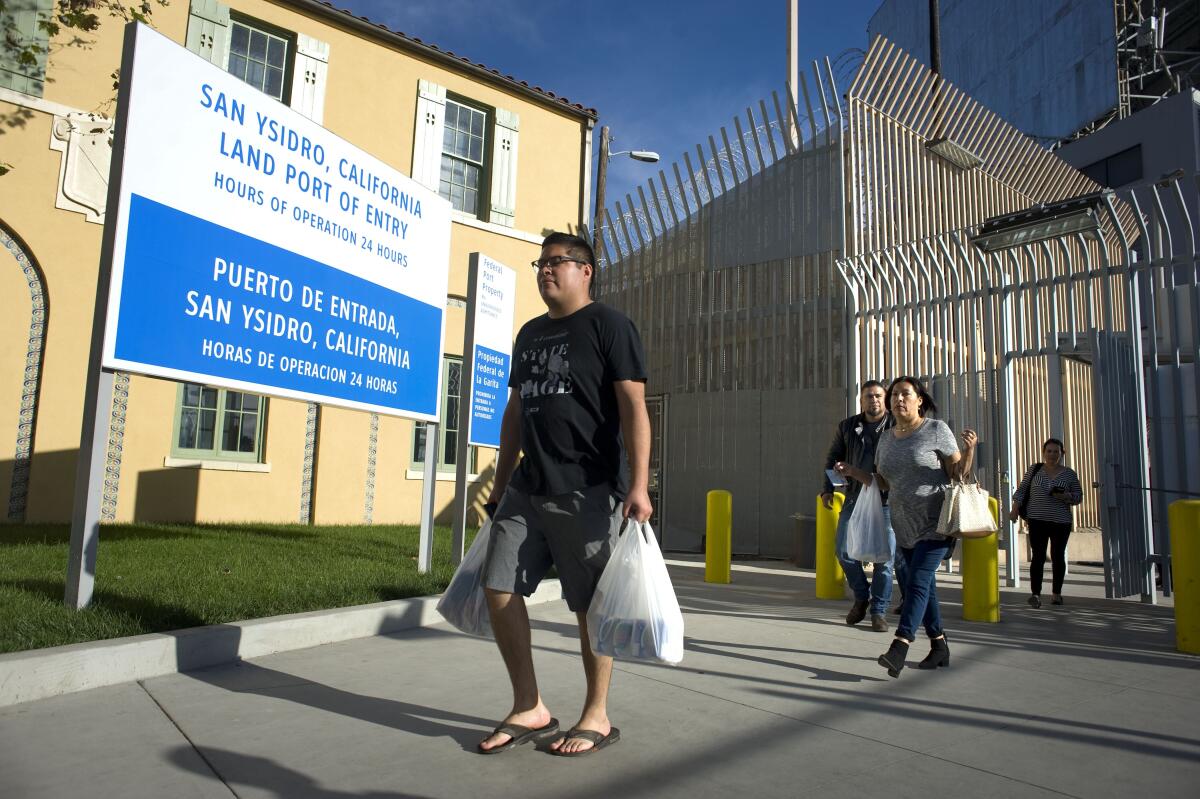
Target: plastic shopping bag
(464, 604)
(634, 614)
(867, 530)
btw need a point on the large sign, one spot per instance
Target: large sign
(495, 296)
(258, 251)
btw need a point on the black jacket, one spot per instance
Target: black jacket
(850, 447)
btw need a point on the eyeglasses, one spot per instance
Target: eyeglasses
(554, 262)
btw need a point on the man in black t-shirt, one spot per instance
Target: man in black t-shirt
(577, 411)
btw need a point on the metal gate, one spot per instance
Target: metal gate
(1120, 458)
(1123, 296)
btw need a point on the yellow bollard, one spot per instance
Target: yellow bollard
(981, 574)
(718, 548)
(829, 569)
(1184, 524)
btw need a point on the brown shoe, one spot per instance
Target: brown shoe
(878, 623)
(858, 612)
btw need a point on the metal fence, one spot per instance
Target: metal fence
(826, 243)
(999, 335)
(728, 272)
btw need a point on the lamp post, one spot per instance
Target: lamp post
(606, 139)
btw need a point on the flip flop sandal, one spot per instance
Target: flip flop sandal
(519, 735)
(598, 741)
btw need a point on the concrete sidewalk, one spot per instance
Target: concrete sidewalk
(776, 697)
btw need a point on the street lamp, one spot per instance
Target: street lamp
(602, 175)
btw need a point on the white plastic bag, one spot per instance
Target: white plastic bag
(464, 604)
(634, 614)
(867, 530)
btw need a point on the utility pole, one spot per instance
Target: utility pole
(601, 177)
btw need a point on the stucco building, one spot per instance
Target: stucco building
(513, 160)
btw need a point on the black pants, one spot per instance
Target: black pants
(1039, 534)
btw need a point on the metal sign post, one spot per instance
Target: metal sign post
(487, 359)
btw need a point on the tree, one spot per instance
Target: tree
(80, 19)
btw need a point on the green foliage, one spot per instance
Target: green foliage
(79, 18)
(159, 577)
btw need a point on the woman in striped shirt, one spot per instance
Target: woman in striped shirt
(1044, 499)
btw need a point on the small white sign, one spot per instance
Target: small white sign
(495, 293)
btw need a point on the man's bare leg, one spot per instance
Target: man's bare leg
(598, 670)
(510, 624)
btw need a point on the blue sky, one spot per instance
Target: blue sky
(663, 75)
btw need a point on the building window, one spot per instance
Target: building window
(215, 423)
(448, 429)
(260, 56)
(1119, 169)
(463, 177)
(25, 45)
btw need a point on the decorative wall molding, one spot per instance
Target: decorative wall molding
(116, 446)
(372, 451)
(31, 382)
(308, 471)
(85, 141)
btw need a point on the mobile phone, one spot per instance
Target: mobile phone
(835, 479)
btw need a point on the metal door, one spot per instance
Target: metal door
(1121, 466)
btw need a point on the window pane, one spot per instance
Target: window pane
(419, 443)
(208, 397)
(208, 424)
(250, 402)
(233, 400)
(254, 74)
(274, 84)
(477, 125)
(451, 115)
(229, 436)
(472, 178)
(476, 153)
(470, 202)
(237, 66)
(453, 377)
(276, 50)
(239, 38)
(191, 394)
(450, 456)
(249, 438)
(187, 429)
(258, 46)
(451, 412)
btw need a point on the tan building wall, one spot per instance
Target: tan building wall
(370, 99)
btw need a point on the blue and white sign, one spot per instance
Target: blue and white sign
(258, 251)
(495, 295)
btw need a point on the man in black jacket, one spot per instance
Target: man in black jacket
(854, 443)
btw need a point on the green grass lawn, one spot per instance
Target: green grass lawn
(157, 577)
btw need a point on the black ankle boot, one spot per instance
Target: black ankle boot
(939, 654)
(893, 659)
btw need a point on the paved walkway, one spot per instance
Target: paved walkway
(775, 698)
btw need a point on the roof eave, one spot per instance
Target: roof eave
(345, 19)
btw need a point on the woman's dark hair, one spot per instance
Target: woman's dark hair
(1050, 441)
(927, 405)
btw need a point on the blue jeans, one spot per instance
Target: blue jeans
(880, 590)
(920, 588)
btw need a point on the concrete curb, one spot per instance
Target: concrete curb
(42, 673)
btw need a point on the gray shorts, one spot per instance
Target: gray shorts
(575, 532)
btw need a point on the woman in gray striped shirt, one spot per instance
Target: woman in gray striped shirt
(1044, 499)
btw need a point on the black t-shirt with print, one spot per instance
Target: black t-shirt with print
(564, 370)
